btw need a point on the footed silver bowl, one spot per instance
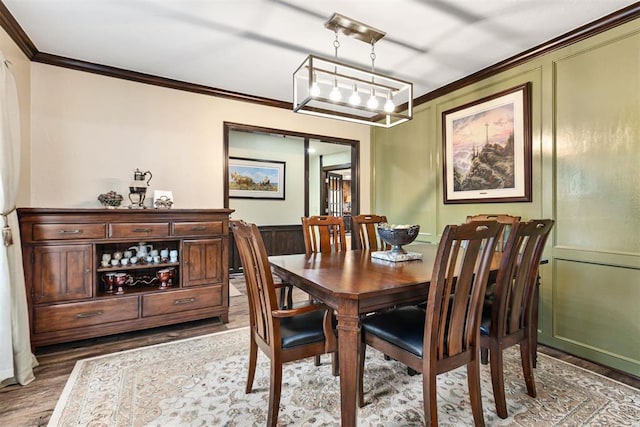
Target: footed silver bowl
(398, 235)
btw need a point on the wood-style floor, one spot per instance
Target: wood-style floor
(33, 404)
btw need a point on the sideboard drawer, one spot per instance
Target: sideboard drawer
(172, 302)
(138, 229)
(69, 231)
(200, 228)
(81, 314)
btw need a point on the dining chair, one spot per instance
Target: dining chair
(283, 335)
(506, 219)
(364, 227)
(323, 234)
(507, 319)
(446, 334)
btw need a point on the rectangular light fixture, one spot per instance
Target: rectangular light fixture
(329, 88)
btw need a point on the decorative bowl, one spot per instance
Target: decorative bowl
(110, 199)
(398, 235)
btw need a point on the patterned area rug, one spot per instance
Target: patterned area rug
(200, 382)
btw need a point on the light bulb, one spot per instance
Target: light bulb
(354, 99)
(335, 94)
(314, 90)
(372, 103)
(389, 106)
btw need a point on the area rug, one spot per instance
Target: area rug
(233, 291)
(200, 382)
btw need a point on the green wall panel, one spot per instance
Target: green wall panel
(585, 175)
(597, 139)
(404, 158)
(596, 306)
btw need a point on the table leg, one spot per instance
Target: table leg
(348, 342)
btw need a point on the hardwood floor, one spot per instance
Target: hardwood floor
(33, 404)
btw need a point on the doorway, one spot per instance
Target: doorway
(304, 179)
(336, 192)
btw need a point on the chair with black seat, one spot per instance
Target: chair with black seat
(364, 227)
(508, 221)
(446, 334)
(283, 335)
(323, 234)
(508, 318)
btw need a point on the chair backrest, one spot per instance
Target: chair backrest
(456, 292)
(258, 278)
(506, 219)
(323, 234)
(364, 227)
(512, 309)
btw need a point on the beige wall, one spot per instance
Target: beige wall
(288, 149)
(21, 68)
(586, 175)
(90, 132)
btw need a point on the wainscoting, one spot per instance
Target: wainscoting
(278, 240)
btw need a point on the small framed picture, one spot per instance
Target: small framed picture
(162, 199)
(256, 179)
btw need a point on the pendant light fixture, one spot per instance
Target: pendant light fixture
(330, 88)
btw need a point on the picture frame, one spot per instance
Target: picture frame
(256, 178)
(487, 149)
(163, 199)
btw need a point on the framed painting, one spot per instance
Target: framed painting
(256, 179)
(487, 149)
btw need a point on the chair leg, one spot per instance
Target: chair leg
(335, 364)
(317, 360)
(473, 378)
(283, 297)
(484, 355)
(430, 398)
(533, 345)
(290, 296)
(362, 356)
(253, 357)
(274, 393)
(527, 367)
(497, 382)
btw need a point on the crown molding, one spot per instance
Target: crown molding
(90, 67)
(605, 23)
(17, 34)
(15, 31)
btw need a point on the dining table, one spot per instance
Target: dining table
(353, 283)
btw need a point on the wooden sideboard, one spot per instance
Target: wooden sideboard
(67, 288)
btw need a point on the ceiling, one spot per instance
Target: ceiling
(252, 47)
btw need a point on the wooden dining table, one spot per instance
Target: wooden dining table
(353, 283)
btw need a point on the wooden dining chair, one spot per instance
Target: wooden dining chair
(506, 219)
(364, 227)
(323, 234)
(507, 319)
(446, 334)
(283, 335)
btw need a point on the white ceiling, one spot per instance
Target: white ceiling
(253, 46)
